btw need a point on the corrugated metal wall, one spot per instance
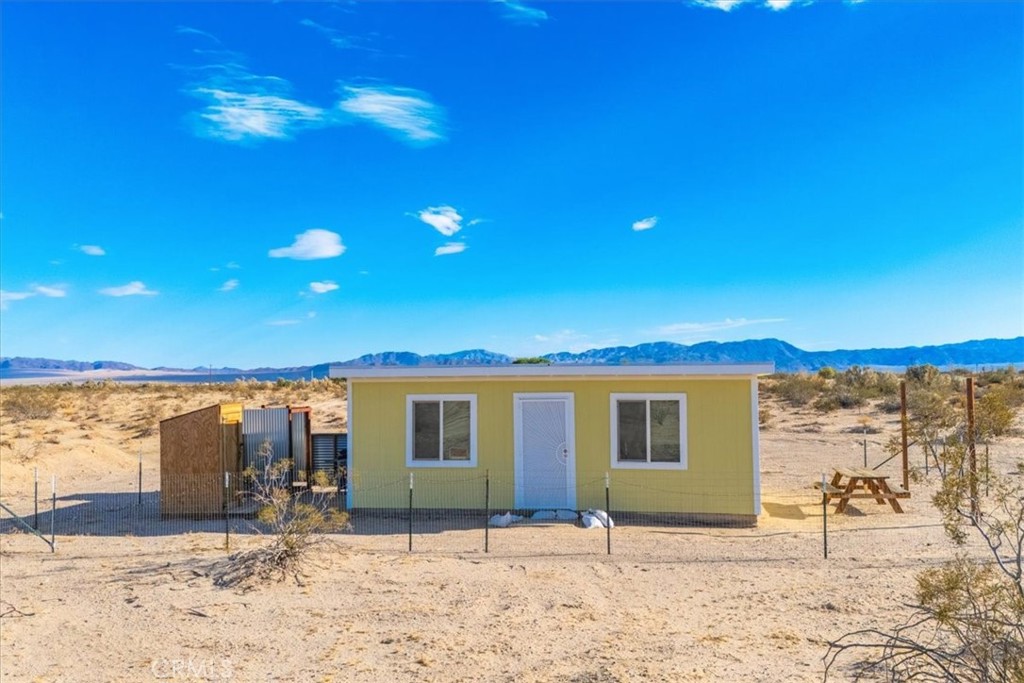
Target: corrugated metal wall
(261, 425)
(300, 444)
(325, 448)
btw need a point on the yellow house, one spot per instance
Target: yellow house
(678, 440)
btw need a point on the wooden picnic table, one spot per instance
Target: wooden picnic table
(859, 482)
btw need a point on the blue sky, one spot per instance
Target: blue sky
(253, 184)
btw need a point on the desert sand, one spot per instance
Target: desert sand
(545, 604)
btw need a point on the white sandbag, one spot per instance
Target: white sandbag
(504, 520)
(597, 519)
(544, 514)
(566, 514)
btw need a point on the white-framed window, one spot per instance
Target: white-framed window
(440, 430)
(648, 431)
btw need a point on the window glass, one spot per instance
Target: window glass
(633, 430)
(427, 435)
(665, 431)
(456, 430)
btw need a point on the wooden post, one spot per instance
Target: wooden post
(903, 436)
(972, 455)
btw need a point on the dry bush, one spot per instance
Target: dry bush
(967, 619)
(798, 389)
(296, 526)
(29, 403)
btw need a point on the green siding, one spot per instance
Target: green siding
(719, 478)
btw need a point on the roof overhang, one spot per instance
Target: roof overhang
(525, 371)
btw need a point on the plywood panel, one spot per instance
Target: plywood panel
(191, 468)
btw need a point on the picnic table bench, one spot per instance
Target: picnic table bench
(858, 482)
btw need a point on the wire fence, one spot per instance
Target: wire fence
(453, 511)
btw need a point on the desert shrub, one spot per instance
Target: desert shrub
(296, 526)
(924, 375)
(827, 372)
(866, 383)
(890, 405)
(849, 399)
(838, 397)
(1009, 393)
(29, 403)
(993, 416)
(826, 403)
(764, 416)
(967, 619)
(887, 384)
(799, 389)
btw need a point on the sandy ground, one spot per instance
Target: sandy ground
(545, 604)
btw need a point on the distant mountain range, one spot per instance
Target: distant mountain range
(787, 358)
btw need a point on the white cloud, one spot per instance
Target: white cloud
(92, 250)
(336, 37)
(55, 291)
(242, 107)
(519, 13)
(229, 285)
(724, 5)
(312, 244)
(408, 113)
(134, 288)
(188, 30)
(559, 337)
(445, 219)
(685, 329)
(323, 287)
(774, 5)
(645, 223)
(7, 297)
(450, 248)
(246, 116)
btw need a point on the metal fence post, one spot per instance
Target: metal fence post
(337, 477)
(53, 517)
(487, 510)
(410, 512)
(824, 515)
(140, 476)
(608, 511)
(35, 518)
(224, 508)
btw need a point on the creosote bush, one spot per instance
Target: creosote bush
(967, 619)
(295, 524)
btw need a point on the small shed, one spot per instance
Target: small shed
(196, 450)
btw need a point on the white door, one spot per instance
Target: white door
(545, 456)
